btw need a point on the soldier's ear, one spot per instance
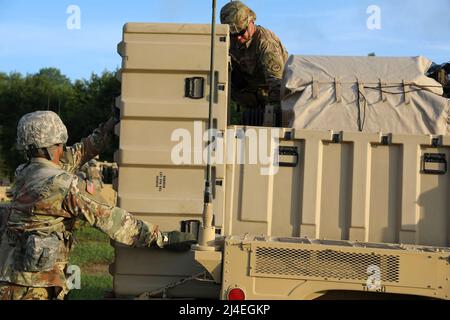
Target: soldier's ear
(61, 149)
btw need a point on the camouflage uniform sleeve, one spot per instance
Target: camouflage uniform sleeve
(78, 154)
(271, 59)
(117, 223)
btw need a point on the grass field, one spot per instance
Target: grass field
(92, 254)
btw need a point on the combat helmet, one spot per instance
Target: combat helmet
(237, 15)
(39, 130)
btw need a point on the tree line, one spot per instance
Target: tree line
(81, 104)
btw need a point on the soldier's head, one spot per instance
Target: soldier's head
(42, 134)
(241, 20)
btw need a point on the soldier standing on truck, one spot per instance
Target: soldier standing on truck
(258, 60)
(36, 229)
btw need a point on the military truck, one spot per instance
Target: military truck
(328, 213)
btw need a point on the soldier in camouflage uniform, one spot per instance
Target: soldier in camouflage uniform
(36, 227)
(258, 60)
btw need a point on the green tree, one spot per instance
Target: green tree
(82, 105)
(12, 104)
(90, 105)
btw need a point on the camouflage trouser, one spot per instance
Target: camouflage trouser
(15, 292)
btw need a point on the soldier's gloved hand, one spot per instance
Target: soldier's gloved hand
(109, 125)
(115, 113)
(178, 241)
(113, 120)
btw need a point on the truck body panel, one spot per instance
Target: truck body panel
(381, 188)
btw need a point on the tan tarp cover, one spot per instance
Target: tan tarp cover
(321, 93)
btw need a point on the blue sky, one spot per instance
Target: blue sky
(34, 34)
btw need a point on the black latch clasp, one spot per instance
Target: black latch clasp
(194, 88)
(288, 152)
(433, 159)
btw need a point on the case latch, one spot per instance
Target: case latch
(288, 153)
(434, 163)
(195, 88)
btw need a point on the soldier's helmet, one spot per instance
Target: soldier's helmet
(40, 129)
(237, 15)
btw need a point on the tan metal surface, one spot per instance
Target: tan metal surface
(137, 271)
(157, 59)
(357, 189)
(271, 268)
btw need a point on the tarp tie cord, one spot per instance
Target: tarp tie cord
(377, 83)
(362, 95)
(315, 89)
(382, 95)
(361, 98)
(338, 90)
(163, 291)
(403, 92)
(406, 93)
(315, 85)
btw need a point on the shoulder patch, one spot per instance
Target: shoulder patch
(276, 67)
